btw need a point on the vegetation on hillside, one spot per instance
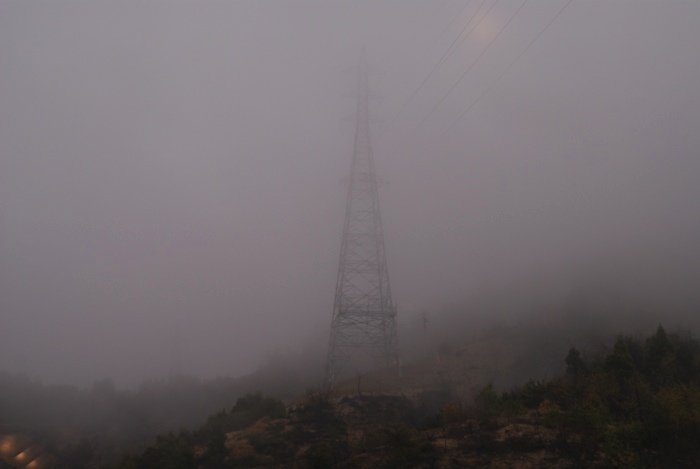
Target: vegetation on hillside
(637, 406)
(91, 428)
(319, 432)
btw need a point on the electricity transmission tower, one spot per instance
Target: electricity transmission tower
(364, 317)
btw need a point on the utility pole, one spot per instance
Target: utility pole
(425, 334)
(364, 316)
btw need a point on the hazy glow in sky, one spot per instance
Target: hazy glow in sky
(173, 169)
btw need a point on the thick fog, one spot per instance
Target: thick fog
(171, 192)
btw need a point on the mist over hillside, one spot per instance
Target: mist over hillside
(171, 175)
(173, 183)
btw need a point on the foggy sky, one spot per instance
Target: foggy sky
(170, 172)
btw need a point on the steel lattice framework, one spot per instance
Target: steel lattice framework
(364, 317)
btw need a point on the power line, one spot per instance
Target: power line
(420, 31)
(437, 38)
(440, 61)
(456, 17)
(451, 50)
(447, 28)
(471, 66)
(493, 83)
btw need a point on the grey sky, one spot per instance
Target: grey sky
(173, 169)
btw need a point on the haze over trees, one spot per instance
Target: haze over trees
(172, 200)
(637, 406)
(171, 174)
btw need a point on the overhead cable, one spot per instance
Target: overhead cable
(440, 61)
(471, 66)
(503, 73)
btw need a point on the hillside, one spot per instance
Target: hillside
(637, 406)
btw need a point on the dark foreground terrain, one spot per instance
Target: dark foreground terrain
(636, 406)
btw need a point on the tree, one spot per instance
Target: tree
(575, 366)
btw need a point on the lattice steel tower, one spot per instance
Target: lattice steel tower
(364, 317)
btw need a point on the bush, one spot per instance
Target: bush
(252, 407)
(488, 402)
(169, 452)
